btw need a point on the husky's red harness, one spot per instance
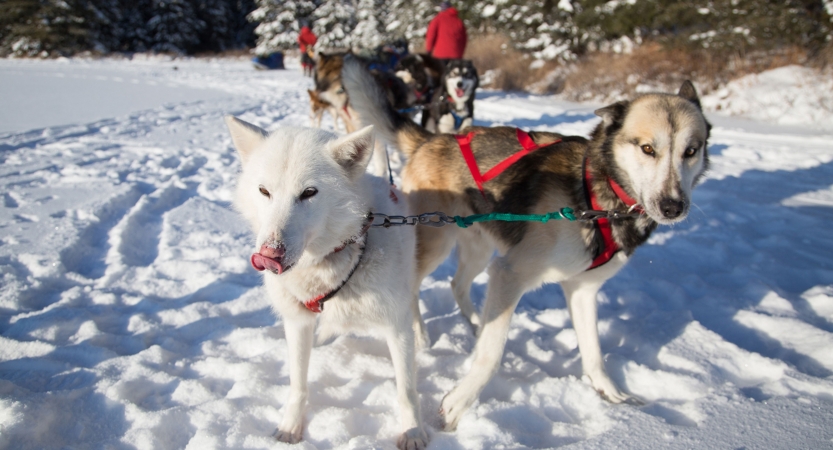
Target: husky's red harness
(527, 144)
(609, 246)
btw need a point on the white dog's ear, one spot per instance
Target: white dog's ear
(353, 152)
(245, 136)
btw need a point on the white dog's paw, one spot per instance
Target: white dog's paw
(413, 439)
(475, 323)
(291, 434)
(610, 392)
(454, 405)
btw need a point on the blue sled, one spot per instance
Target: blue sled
(270, 62)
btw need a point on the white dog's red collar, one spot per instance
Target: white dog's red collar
(316, 304)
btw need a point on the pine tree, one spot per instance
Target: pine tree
(279, 26)
(333, 23)
(33, 27)
(370, 31)
(174, 26)
(409, 19)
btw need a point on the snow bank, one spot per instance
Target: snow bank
(791, 95)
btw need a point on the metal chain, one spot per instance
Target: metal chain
(439, 219)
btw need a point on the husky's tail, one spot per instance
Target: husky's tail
(368, 98)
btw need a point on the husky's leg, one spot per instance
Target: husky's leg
(299, 335)
(433, 247)
(473, 254)
(580, 292)
(502, 295)
(401, 346)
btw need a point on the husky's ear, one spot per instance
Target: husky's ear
(613, 113)
(688, 92)
(353, 152)
(245, 136)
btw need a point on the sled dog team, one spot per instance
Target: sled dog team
(309, 198)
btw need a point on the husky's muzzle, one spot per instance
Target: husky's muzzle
(271, 258)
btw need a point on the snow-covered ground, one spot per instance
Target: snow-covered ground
(130, 318)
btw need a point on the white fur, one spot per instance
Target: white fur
(376, 300)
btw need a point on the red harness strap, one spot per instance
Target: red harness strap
(610, 247)
(527, 144)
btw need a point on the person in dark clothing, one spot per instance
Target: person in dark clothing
(306, 40)
(446, 37)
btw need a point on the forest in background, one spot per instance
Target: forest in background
(536, 45)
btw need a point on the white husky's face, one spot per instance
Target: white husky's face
(661, 148)
(299, 189)
(460, 82)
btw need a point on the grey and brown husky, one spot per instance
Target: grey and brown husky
(645, 156)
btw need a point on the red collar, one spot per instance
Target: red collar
(316, 304)
(609, 246)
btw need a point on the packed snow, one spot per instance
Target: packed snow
(130, 318)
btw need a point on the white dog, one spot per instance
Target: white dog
(307, 196)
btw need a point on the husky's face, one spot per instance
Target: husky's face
(299, 190)
(660, 151)
(460, 80)
(411, 70)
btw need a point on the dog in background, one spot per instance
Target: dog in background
(642, 161)
(318, 107)
(307, 196)
(421, 73)
(452, 107)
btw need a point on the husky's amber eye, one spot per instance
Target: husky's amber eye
(308, 192)
(265, 192)
(647, 149)
(689, 152)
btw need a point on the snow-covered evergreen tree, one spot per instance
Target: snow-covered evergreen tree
(279, 23)
(333, 22)
(370, 31)
(409, 18)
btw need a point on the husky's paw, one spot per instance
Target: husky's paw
(607, 390)
(454, 404)
(413, 439)
(289, 434)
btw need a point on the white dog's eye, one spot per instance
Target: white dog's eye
(264, 192)
(308, 192)
(647, 149)
(689, 152)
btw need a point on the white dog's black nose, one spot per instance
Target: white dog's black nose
(459, 84)
(671, 208)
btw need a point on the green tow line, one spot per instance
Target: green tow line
(564, 213)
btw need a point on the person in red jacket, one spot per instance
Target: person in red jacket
(446, 37)
(306, 40)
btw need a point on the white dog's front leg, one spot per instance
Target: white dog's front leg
(401, 346)
(581, 294)
(299, 336)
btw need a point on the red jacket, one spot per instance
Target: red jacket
(446, 37)
(307, 37)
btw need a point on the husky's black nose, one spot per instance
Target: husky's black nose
(671, 208)
(459, 84)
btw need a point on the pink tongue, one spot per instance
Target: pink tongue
(261, 263)
(459, 93)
